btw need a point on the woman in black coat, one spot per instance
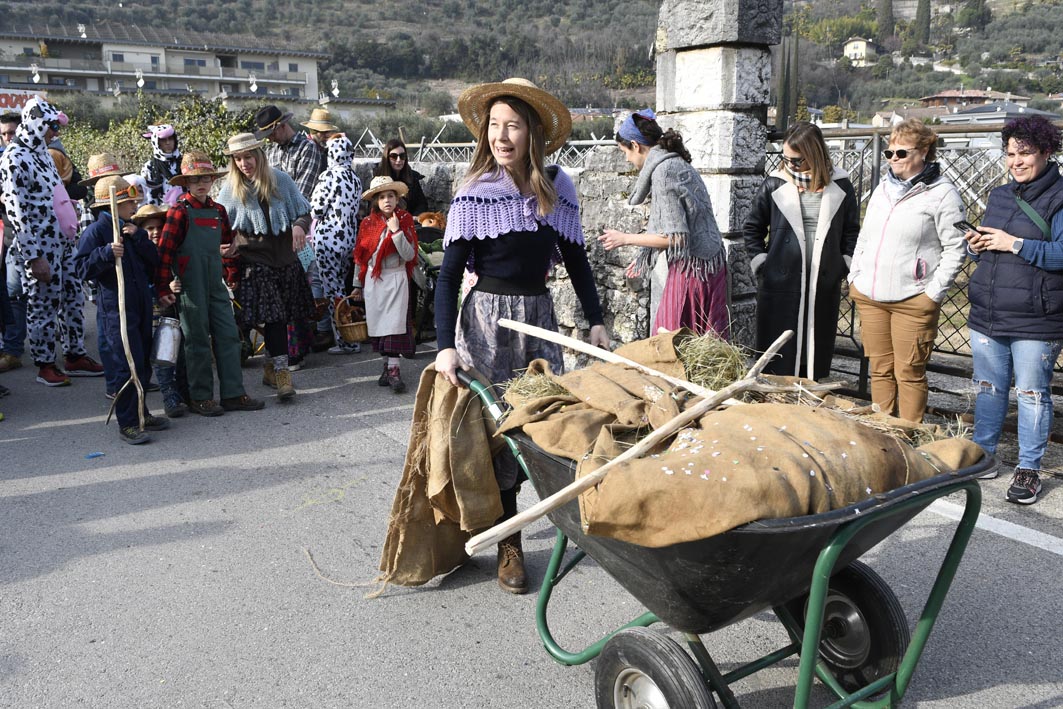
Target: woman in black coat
(395, 163)
(800, 236)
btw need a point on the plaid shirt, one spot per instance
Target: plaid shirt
(301, 159)
(173, 235)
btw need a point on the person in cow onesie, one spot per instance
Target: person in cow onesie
(165, 163)
(45, 227)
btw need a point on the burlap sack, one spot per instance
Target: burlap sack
(447, 490)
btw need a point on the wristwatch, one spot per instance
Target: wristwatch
(1016, 246)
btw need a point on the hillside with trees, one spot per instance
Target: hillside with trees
(585, 51)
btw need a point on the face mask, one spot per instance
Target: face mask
(802, 179)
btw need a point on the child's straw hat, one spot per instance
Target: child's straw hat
(195, 163)
(124, 192)
(383, 183)
(101, 165)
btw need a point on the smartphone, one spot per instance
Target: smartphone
(965, 226)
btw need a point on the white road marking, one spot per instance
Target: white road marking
(1009, 530)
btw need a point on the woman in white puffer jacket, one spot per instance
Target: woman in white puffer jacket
(905, 261)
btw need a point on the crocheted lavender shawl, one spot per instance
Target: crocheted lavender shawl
(493, 206)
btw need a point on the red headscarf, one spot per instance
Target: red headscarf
(372, 229)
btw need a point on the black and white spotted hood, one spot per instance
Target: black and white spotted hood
(37, 114)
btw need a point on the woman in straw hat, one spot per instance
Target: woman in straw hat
(196, 232)
(96, 258)
(513, 218)
(681, 226)
(264, 206)
(395, 163)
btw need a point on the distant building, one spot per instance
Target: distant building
(995, 113)
(884, 119)
(960, 98)
(861, 52)
(109, 59)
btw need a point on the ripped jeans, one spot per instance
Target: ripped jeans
(1031, 361)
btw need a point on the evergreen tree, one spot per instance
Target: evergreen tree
(921, 27)
(884, 18)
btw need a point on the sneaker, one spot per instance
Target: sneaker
(242, 403)
(285, 388)
(155, 423)
(345, 348)
(50, 376)
(295, 363)
(395, 380)
(205, 407)
(1025, 487)
(110, 395)
(9, 361)
(83, 366)
(383, 379)
(175, 408)
(322, 341)
(133, 435)
(992, 473)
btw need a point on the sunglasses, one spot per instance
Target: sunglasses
(793, 162)
(54, 125)
(397, 156)
(901, 153)
(131, 192)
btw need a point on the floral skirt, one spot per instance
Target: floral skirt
(268, 294)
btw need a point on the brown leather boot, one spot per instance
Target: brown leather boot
(511, 576)
(269, 377)
(285, 390)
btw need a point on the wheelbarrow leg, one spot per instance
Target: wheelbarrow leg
(711, 672)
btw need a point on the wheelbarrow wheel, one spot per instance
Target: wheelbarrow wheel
(642, 668)
(865, 631)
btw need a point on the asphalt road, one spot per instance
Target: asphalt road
(176, 574)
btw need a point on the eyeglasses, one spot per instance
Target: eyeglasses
(793, 161)
(197, 179)
(397, 156)
(901, 153)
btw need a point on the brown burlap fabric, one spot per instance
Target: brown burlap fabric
(448, 489)
(744, 463)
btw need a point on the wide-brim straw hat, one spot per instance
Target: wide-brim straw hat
(101, 165)
(383, 183)
(195, 163)
(320, 121)
(147, 213)
(474, 106)
(124, 192)
(241, 143)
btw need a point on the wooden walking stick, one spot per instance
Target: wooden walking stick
(572, 491)
(122, 321)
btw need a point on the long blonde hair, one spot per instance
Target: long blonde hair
(483, 161)
(261, 185)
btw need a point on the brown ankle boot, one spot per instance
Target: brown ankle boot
(511, 576)
(269, 377)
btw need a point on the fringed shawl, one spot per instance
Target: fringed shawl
(493, 206)
(680, 210)
(284, 209)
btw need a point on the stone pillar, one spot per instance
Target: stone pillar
(713, 76)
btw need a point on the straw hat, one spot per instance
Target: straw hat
(242, 142)
(124, 192)
(147, 213)
(101, 165)
(195, 163)
(556, 119)
(383, 183)
(320, 121)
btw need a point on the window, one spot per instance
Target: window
(28, 51)
(293, 67)
(293, 91)
(150, 84)
(155, 61)
(253, 66)
(189, 61)
(117, 57)
(57, 80)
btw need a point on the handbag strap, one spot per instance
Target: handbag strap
(1036, 218)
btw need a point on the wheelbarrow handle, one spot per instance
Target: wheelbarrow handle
(464, 378)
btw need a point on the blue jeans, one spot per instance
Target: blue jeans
(1031, 361)
(15, 332)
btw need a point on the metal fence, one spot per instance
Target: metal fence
(369, 147)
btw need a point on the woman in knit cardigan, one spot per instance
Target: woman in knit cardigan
(681, 225)
(265, 206)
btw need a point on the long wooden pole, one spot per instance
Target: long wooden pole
(117, 231)
(572, 491)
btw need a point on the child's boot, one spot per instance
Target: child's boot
(395, 380)
(282, 375)
(268, 374)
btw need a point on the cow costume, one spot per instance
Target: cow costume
(40, 213)
(162, 166)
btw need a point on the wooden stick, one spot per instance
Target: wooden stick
(572, 491)
(122, 316)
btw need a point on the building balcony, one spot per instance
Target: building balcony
(171, 70)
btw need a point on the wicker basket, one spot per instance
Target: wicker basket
(350, 321)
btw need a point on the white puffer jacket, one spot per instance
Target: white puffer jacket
(909, 246)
